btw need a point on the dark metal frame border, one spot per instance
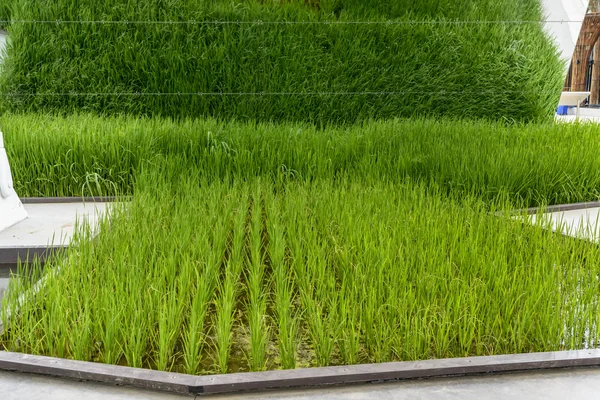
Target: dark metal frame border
(562, 207)
(283, 379)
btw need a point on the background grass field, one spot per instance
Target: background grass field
(324, 73)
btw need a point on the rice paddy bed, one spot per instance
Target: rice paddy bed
(255, 246)
(214, 277)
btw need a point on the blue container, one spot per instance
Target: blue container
(562, 110)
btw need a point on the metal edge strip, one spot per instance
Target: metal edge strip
(55, 200)
(282, 379)
(12, 255)
(564, 207)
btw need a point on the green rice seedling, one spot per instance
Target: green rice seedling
(286, 318)
(350, 335)
(316, 284)
(213, 249)
(228, 289)
(5, 14)
(256, 287)
(111, 335)
(170, 314)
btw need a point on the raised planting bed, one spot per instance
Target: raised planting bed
(531, 165)
(206, 277)
(252, 247)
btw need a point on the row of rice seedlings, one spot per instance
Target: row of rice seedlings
(214, 246)
(258, 288)
(552, 164)
(334, 272)
(286, 317)
(322, 294)
(229, 286)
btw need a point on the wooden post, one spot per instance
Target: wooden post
(595, 86)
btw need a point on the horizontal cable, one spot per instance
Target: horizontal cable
(373, 93)
(260, 22)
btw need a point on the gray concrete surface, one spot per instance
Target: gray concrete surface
(579, 384)
(4, 276)
(47, 224)
(561, 384)
(51, 224)
(581, 224)
(18, 386)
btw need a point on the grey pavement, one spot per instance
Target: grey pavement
(581, 224)
(48, 224)
(19, 386)
(576, 384)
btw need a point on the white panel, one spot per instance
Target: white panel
(3, 39)
(11, 209)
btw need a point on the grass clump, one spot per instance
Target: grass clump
(205, 276)
(323, 73)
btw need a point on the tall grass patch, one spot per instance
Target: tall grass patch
(87, 155)
(321, 70)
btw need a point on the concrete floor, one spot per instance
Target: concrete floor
(4, 276)
(50, 224)
(582, 224)
(47, 224)
(18, 386)
(580, 384)
(586, 115)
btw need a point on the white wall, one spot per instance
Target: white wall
(565, 34)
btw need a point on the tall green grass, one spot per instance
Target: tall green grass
(538, 164)
(205, 276)
(5, 14)
(315, 72)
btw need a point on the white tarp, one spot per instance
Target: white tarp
(11, 208)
